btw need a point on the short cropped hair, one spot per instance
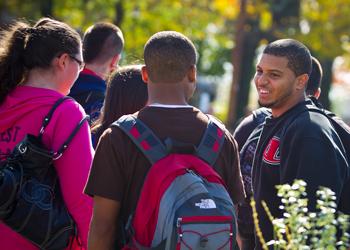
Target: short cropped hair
(315, 78)
(297, 54)
(168, 56)
(101, 42)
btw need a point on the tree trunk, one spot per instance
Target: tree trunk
(119, 13)
(46, 8)
(247, 40)
(237, 54)
(5, 16)
(247, 73)
(285, 15)
(327, 65)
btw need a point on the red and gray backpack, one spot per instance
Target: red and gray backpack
(183, 202)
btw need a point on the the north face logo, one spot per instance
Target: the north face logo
(272, 152)
(206, 204)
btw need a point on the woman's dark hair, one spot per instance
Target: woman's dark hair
(24, 47)
(126, 93)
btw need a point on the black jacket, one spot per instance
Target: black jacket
(297, 145)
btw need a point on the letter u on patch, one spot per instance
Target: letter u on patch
(272, 152)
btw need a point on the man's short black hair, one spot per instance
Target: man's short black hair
(297, 54)
(168, 56)
(315, 78)
(101, 42)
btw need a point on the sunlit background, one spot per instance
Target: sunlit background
(229, 35)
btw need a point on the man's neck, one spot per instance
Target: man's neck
(167, 101)
(169, 105)
(167, 94)
(99, 70)
(287, 104)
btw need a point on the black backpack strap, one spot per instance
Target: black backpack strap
(343, 133)
(212, 141)
(48, 117)
(254, 136)
(143, 137)
(64, 146)
(341, 130)
(260, 114)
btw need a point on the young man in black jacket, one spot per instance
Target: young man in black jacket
(295, 143)
(247, 135)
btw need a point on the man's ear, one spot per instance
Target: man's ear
(144, 74)
(192, 74)
(302, 81)
(114, 62)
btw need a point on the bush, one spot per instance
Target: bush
(301, 229)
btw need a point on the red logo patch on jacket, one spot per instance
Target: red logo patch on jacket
(272, 152)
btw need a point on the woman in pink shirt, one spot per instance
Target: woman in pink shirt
(38, 66)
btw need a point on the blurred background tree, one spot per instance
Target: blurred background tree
(224, 32)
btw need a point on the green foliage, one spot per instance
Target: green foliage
(294, 203)
(204, 22)
(322, 25)
(325, 27)
(196, 19)
(300, 229)
(22, 8)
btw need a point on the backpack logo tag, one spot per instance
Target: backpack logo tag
(206, 204)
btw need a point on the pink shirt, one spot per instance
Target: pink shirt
(21, 113)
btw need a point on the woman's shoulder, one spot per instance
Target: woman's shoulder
(65, 118)
(71, 107)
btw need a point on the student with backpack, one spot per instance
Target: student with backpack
(38, 66)
(296, 141)
(168, 134)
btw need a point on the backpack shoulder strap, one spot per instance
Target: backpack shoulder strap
(260, 114)
(254, 136)
(212, 141)
(143, 137)
(64, 146)
(343, 132)
(339, 126)
(337, 123)
(48, 117)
